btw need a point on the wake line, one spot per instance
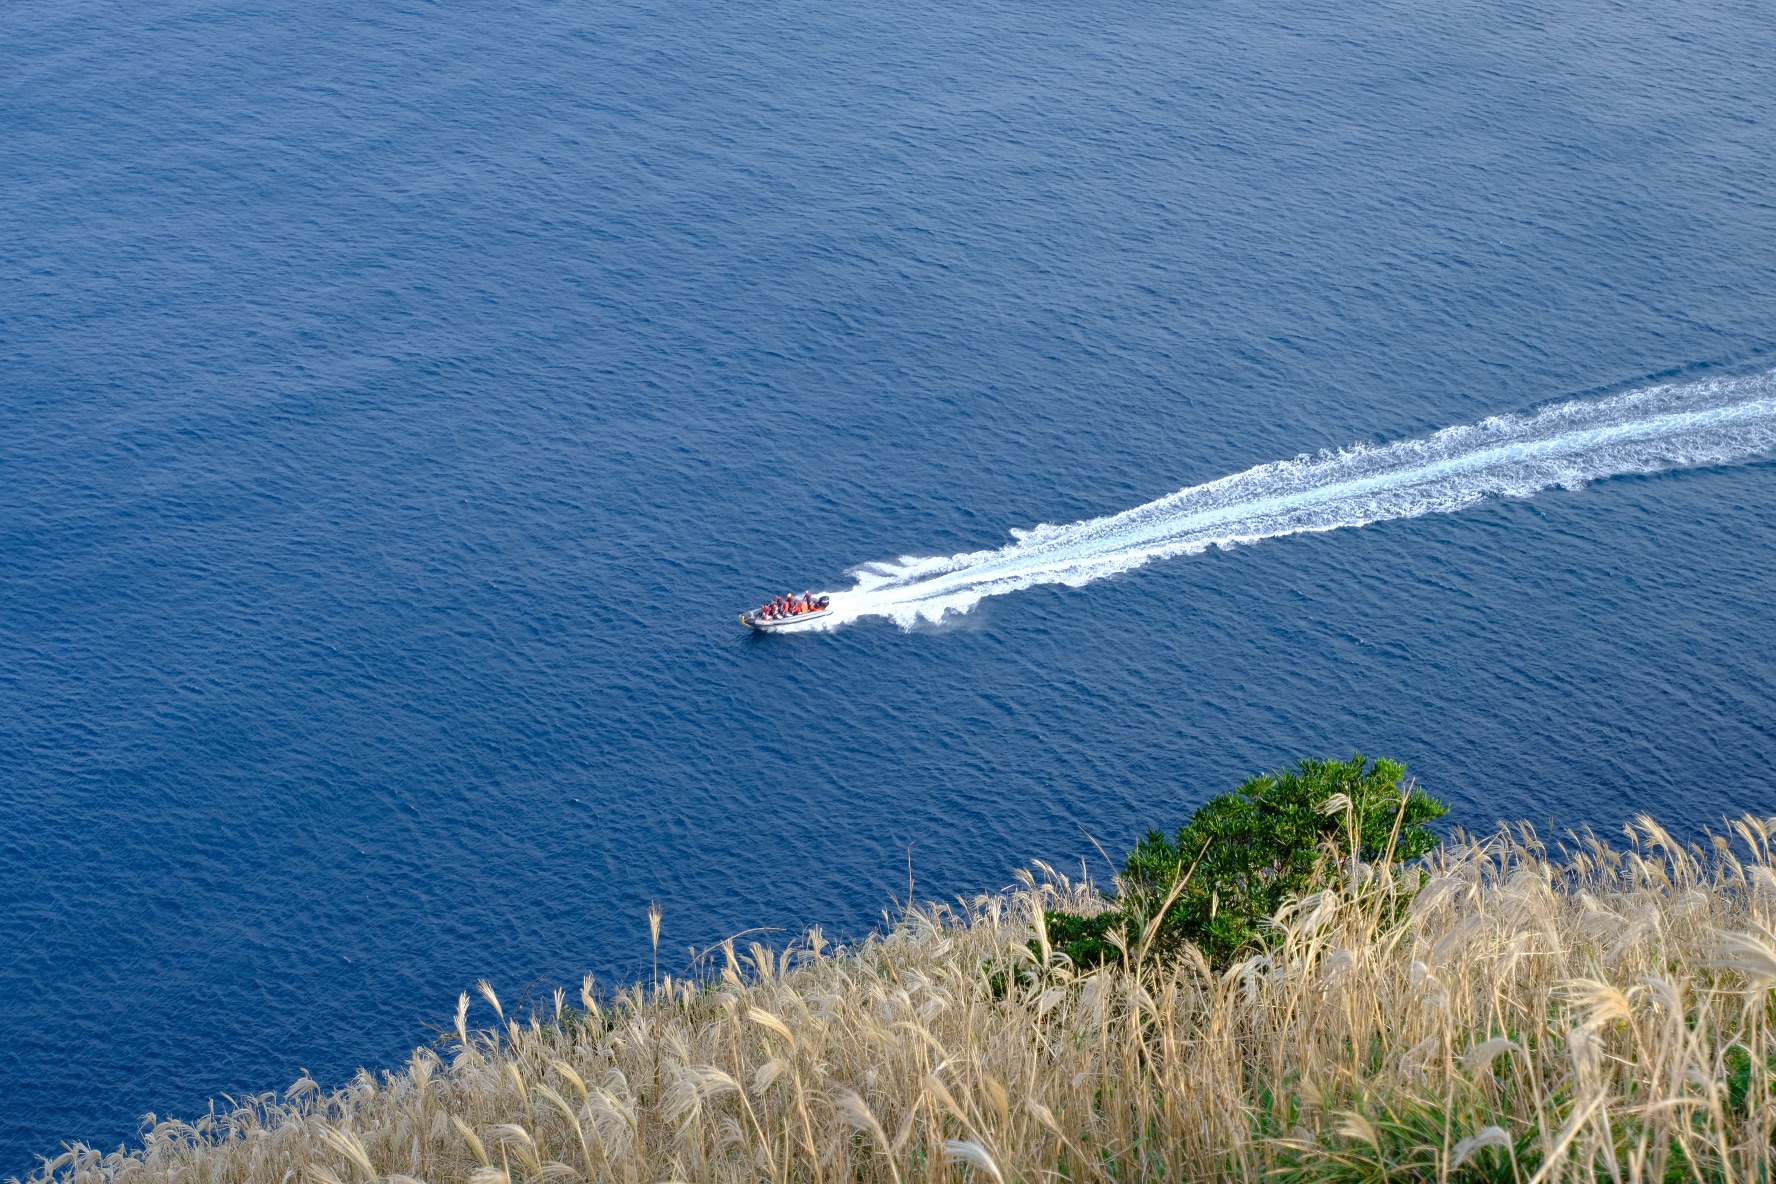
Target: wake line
(1667, 427)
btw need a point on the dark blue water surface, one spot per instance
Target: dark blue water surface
(399, 400)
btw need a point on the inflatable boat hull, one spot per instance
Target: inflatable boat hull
(773, 624)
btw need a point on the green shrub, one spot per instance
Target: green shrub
(1277, 836)
(1085, 940)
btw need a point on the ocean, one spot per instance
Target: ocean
(398, 403)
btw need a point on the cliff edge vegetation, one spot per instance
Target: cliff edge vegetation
(1495, 1009)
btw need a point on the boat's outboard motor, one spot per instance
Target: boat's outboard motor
(824, 601)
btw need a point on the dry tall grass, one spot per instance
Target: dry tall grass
(1525, 1016)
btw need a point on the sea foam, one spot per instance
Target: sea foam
(1718, 421)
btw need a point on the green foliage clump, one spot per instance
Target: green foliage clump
(1243, 854)
(1740, 1084)
(1086, 940)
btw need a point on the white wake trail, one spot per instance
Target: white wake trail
(1648, 431)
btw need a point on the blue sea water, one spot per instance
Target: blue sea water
(398, 401)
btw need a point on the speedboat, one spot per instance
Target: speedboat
(766, 621)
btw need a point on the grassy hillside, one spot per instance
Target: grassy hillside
(1513, 1013)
